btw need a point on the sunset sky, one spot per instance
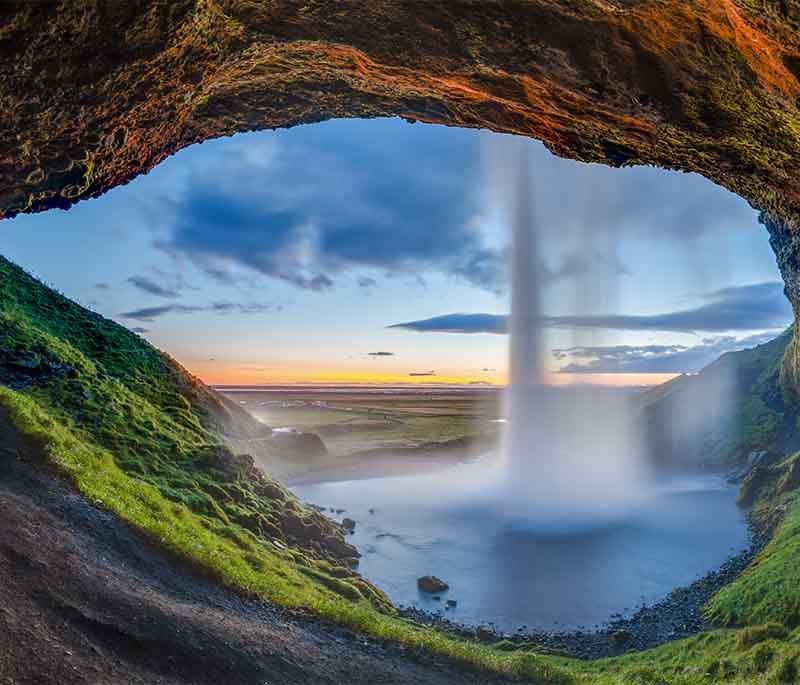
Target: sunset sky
(375, 251)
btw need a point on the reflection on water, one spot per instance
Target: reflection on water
(445, 524)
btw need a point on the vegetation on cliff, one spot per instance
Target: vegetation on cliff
(112, 406)
(734, 406)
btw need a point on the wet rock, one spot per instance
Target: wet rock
(340, 548)
(738, 473)
(791, 479)
(348, 525)
(432, 584)
(485, 634)
(758, 478)
(451, 604)
(19, 369)
(621, 636)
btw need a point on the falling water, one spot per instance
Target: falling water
(573, 455)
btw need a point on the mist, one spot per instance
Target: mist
(572, 457)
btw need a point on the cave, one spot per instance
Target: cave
(710, 88)
(95, 93)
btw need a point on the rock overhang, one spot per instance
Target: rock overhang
(94, 93)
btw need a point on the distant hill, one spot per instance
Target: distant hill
(732, 407)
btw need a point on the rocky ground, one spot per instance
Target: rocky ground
(84, 599)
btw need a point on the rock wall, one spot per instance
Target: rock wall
(93, 92)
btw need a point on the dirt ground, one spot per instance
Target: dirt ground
(84, 599)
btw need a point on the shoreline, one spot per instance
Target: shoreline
(676, 616)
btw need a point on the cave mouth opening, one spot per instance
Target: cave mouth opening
(355, 260)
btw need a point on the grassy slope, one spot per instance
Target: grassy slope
(132, 431)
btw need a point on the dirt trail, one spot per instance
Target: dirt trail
(83, 599)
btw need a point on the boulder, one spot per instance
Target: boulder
(348, 525)
(432, 584)
(485, 634)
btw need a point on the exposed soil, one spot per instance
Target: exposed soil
(84, 599)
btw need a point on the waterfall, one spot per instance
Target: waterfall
(573, 456)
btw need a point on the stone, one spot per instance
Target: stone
(432, 584)
(485, 634)
(348, 525)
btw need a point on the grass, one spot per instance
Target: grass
(138, 436)
(236, 557)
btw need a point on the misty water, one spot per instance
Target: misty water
(503, 572)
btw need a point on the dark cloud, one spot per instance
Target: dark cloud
(458, 323)
(102, 286)
(485, 268)
(381, 354)
(140, 330)
(654, 358)
(161, 283)
(149, 286)
(367, 282)
(747, 308)
(741, 308)
(151, 313)
(422, 373)
(306, 208)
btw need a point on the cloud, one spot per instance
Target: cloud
(741, 308)
(151, 313)
(485, 268)
(458, 323)
(102, 286)
(140, 330)
(246, 308)
(380, 354)
(422, 373)
(150, 287)
(308, 207)
(654, 358)
(161, 283)
(748, 307)
(367, 282)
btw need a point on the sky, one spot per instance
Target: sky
(376, 251)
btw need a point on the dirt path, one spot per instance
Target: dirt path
(83, 599)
